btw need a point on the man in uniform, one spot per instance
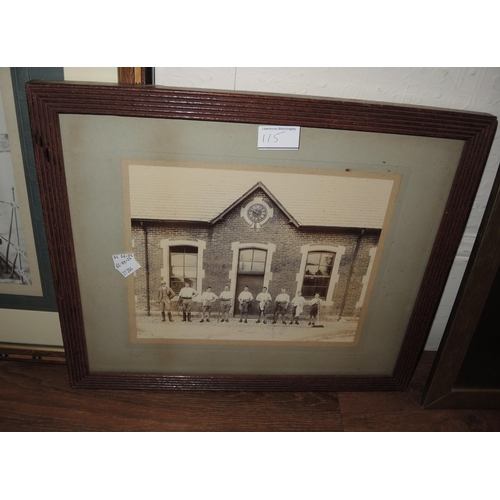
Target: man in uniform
(165, 295)
(245, 299)
(282, 301)
(225, 302)
(208, 299)
(186, 298)
(263, 298)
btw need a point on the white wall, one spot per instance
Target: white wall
(474, 89)
(103, 74)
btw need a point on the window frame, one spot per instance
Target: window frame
(167, 245)
(174, 251)
(252, 261)
(339, 251)
(319, 265)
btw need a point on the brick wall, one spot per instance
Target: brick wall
(218, 255)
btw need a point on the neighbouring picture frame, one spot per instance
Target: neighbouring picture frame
(25, 272)
(87, 137)
(466, 373)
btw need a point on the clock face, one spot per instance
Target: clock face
(257, 212)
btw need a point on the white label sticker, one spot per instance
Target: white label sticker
(125, 263)
(278, 137)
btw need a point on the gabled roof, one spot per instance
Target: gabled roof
(257, 186)
(207, 194)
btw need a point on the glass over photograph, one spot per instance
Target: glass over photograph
(14, 266)
(237, 254)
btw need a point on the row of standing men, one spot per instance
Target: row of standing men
(245, 299)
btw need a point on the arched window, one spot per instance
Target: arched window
(252, 261)
(317, 274)
(183, 259)
(183, 266)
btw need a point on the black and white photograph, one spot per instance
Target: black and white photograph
(14, 266)
(235, 254)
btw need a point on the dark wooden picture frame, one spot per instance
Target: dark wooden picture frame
(466, 372)
(49, 101)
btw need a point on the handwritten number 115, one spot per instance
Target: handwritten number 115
(271, 136)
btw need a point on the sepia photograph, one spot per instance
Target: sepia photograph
(14, 267)
(240, 255)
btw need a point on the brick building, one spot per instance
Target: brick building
(216, 227)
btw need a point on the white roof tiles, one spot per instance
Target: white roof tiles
(201, 194)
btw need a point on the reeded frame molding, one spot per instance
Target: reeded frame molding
(442, 390)
(49, 100)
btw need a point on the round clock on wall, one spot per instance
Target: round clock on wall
(257, 212)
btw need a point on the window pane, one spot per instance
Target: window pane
(246, 255)
(322, 282)
(326, 259)
(176, 259)
(178, 272)
(191, 260)
(308, 291)
(313, 257)
(245, 266)
(325, 270)
(259, 267)
(190, 272)
(312, 270)
(259, 255)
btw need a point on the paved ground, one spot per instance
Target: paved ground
(151, 327)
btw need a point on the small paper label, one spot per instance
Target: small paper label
(278, 137)
(125, 263)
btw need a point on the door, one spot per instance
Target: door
(251, 270)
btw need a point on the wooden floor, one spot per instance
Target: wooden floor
(37, 397)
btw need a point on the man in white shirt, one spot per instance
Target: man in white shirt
(225, 301)
(208, 299)
(282, 301)
(245, 299)
(298, 303)
(186, 297)
(264, 299)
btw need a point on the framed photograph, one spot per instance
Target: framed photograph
(25, 273)
(235, 241)
(466, 371)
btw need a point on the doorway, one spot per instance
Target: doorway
(251, 271)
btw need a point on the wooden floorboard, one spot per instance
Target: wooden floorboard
(401, 411)
(37, 397)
